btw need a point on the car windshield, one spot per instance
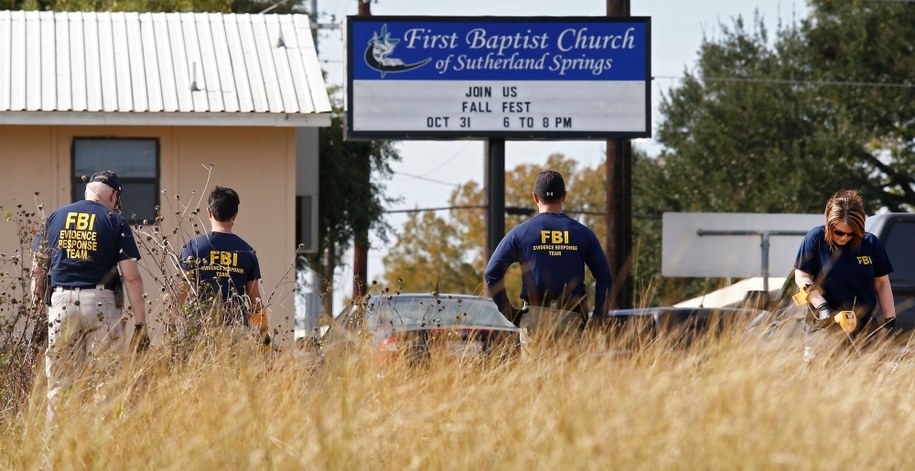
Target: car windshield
(898, 245)
(412, 311)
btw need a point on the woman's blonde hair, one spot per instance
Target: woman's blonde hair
(848, 207)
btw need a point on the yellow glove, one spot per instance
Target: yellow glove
(260, 321)
(800, 298)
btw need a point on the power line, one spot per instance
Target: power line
(510, 210)
(440, 208)
(797, 82)
(432, 180)
(515, 211)
(449, 159)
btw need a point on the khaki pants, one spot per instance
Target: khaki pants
(540, 325)
(82, 324)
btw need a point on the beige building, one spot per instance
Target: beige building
(175, 104)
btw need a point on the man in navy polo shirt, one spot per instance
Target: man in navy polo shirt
(553, 250)
(84, 245)
(221, 265)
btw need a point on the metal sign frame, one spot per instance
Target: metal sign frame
(741, 246)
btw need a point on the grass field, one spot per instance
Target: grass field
(727, 403)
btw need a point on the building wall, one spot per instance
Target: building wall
(258, 162)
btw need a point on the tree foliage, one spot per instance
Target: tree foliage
(735, 144)
(351, 185)
(869, 47)
(221, 6)
(430, 256)
(780, 128)
(347, 203)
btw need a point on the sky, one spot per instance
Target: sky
(431, 170)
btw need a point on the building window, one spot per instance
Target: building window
(136, 161)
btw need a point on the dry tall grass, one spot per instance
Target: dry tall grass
(725, 403)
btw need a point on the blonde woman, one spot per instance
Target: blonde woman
(843, 267)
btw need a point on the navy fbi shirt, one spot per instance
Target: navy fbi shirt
(86, 240)
(223, 260)
(847, 277)
(553, 250)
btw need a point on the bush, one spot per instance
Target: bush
(23, 324)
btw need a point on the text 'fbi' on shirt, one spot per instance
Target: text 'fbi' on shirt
(223, 262)
(555, 242)
(78, 237)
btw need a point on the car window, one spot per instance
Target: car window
(899, 248)
(905, 310)
(407, 311)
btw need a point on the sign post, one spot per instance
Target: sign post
(498, 78)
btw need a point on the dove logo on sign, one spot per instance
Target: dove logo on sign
(379, 51)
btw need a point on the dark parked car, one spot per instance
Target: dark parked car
(897, 232)
(677, 325)
(415, 326)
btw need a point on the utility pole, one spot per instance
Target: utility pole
(619, 203)
(361, 236)
(494, 176)
(365, 8)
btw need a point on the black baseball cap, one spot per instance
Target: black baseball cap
(549, 185)
(109, 178)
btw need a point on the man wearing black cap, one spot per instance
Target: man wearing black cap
(84, 245)
(553, 250)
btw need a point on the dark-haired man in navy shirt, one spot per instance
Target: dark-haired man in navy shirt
(220, 264)
(553, 250)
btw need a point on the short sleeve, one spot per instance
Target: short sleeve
(808, 259)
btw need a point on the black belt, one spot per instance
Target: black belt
(569, 305)
(578, 307)
(79, 288)
(550, 304)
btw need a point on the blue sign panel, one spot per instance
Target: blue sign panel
(449, 77)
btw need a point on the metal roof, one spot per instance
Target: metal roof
(189, 69)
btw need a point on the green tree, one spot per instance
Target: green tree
(351, 185)
(869, 47)
(738, 140)
(430, 256)
(779, 129)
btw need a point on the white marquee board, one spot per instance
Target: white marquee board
(513, 77)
